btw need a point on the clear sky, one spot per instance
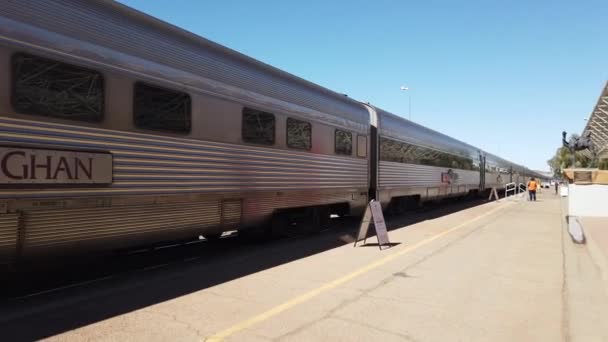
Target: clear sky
(506, 76)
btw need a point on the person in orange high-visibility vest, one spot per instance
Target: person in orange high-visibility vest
(532, 186)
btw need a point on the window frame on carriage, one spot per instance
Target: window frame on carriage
(337, 148)
(291, 140)
(160, 125)
(437, 158)
(40, 109)
(246, 135)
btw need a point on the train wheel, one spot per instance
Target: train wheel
(316, 220)
(271, 230)
(278, 225)
(324, 217)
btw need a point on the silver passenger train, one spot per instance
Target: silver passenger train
(118, 129)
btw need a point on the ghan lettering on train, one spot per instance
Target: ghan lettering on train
(49, 168)
(45, 166)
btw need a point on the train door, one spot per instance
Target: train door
(482, 172)
(374, 158)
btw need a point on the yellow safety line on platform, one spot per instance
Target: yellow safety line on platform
(220, 336)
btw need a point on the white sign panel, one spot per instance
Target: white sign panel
(40, 166)
(373, 212)
(379, 223)
(364, 226)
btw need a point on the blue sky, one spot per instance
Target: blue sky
(506, 76)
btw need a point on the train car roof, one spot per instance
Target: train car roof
(499, 161)
(397, 127)
(391, 125)
(128, 32)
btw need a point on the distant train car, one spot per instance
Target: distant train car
(498, 172)
(416, 163)
(117, 129)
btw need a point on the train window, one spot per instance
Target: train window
(258, 127)
(344, 142)
(361, 146)
(396, 151)
(50, 88)
(299, 134)
(475, 165)
(161, 109)
(491, 167)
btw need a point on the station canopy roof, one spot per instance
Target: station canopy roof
(597, 124)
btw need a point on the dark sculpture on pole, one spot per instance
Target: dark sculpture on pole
(583, 142)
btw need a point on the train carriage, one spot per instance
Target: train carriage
(118, 129)
(416, 163)
(498, 172)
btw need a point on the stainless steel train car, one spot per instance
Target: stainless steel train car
(118, 129)
(417, 163)
(498, 171)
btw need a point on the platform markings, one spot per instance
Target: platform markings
(248, 323)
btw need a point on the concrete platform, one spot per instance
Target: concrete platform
(501, 271)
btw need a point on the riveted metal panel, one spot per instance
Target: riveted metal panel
(146, 167)
(395, 175)
(9, 234)
(65, 228)
(232, 211)
(145, 164)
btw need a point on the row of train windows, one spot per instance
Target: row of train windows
(498, 169)
(259, 128)
(396, 151)
(49, 88)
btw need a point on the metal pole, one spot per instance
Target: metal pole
(409, 98)
(409, 101)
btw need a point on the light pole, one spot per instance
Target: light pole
(409, 101)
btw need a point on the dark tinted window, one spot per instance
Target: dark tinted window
(258, 127)
(396, 151)
(344, 142)
(491, 167)
(161, 109)
(46, 87)
(299, 134)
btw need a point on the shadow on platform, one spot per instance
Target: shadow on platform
(194, 269)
